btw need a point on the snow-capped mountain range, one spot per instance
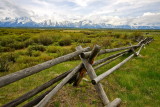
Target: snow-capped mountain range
(95, 22)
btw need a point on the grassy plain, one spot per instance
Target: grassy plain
(137, 83)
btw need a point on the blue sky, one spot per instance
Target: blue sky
(114, 11)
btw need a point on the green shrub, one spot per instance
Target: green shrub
(44, 57)
(17, 45)
(85, 40)
(76, 37)
(22, 38)
(126, 36)
(55, 37)
(73, 48)
(35, 39)
(5, 61)
(28, 42)
(11, 57)
(117, 44)
(117, 35)
(122, 36)
(65, 41)
(63, 51)
(28, 61)
(137, 36)
(102, 34)
(20, 52)
(4, 64)
(36, 53)
(6, 49)
(137, 33)
(87, 32)
(42, 39)
(106, 43)
(53, 49)
(31, 50)
(5, 41)
(45, 40)
(92, 36)
(81, 38)
(37, 48)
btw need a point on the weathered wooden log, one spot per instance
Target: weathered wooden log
(108, 62)
(141, 42)
(5, 80)
(108, 58)
(93, 54)
(116, 49)
(150, 40)
(45, 100)
(98, 86)
(145, 40)
(35, 91)
(114, 103)
(93, 75)
(87, 54)
(105, 74)
(140, 49)
(91, 58)
(37, 99)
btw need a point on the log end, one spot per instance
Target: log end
(93, 82)
(116, 102)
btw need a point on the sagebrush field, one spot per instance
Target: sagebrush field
(137, 83)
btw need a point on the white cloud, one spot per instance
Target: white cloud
(148, 19)
(115, 12)
(81, 3)
(11, 9)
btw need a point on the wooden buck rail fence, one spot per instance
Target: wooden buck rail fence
(74, 75)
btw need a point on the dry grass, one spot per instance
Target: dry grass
(82, 96)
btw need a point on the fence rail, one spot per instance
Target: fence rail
(74, 75)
